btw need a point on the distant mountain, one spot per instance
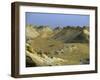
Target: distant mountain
(82, 37)
(72, 35)
(31, 32)
(64, 35)
(45, 32)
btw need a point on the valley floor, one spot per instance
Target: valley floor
(54, 52)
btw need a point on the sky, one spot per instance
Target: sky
(54, 20)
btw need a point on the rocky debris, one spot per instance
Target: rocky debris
(30, 62)
(60, 51)
(84, 61)
(44, 60)
(41, 59)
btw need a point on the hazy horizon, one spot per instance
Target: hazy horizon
(54, 20)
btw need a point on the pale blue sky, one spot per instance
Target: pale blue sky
(54, 20)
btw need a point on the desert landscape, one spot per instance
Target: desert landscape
(46, 46)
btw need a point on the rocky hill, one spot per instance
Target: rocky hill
(31, 32)
(65, 35)
(72, 35)
(45, 32)
(60, 46)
